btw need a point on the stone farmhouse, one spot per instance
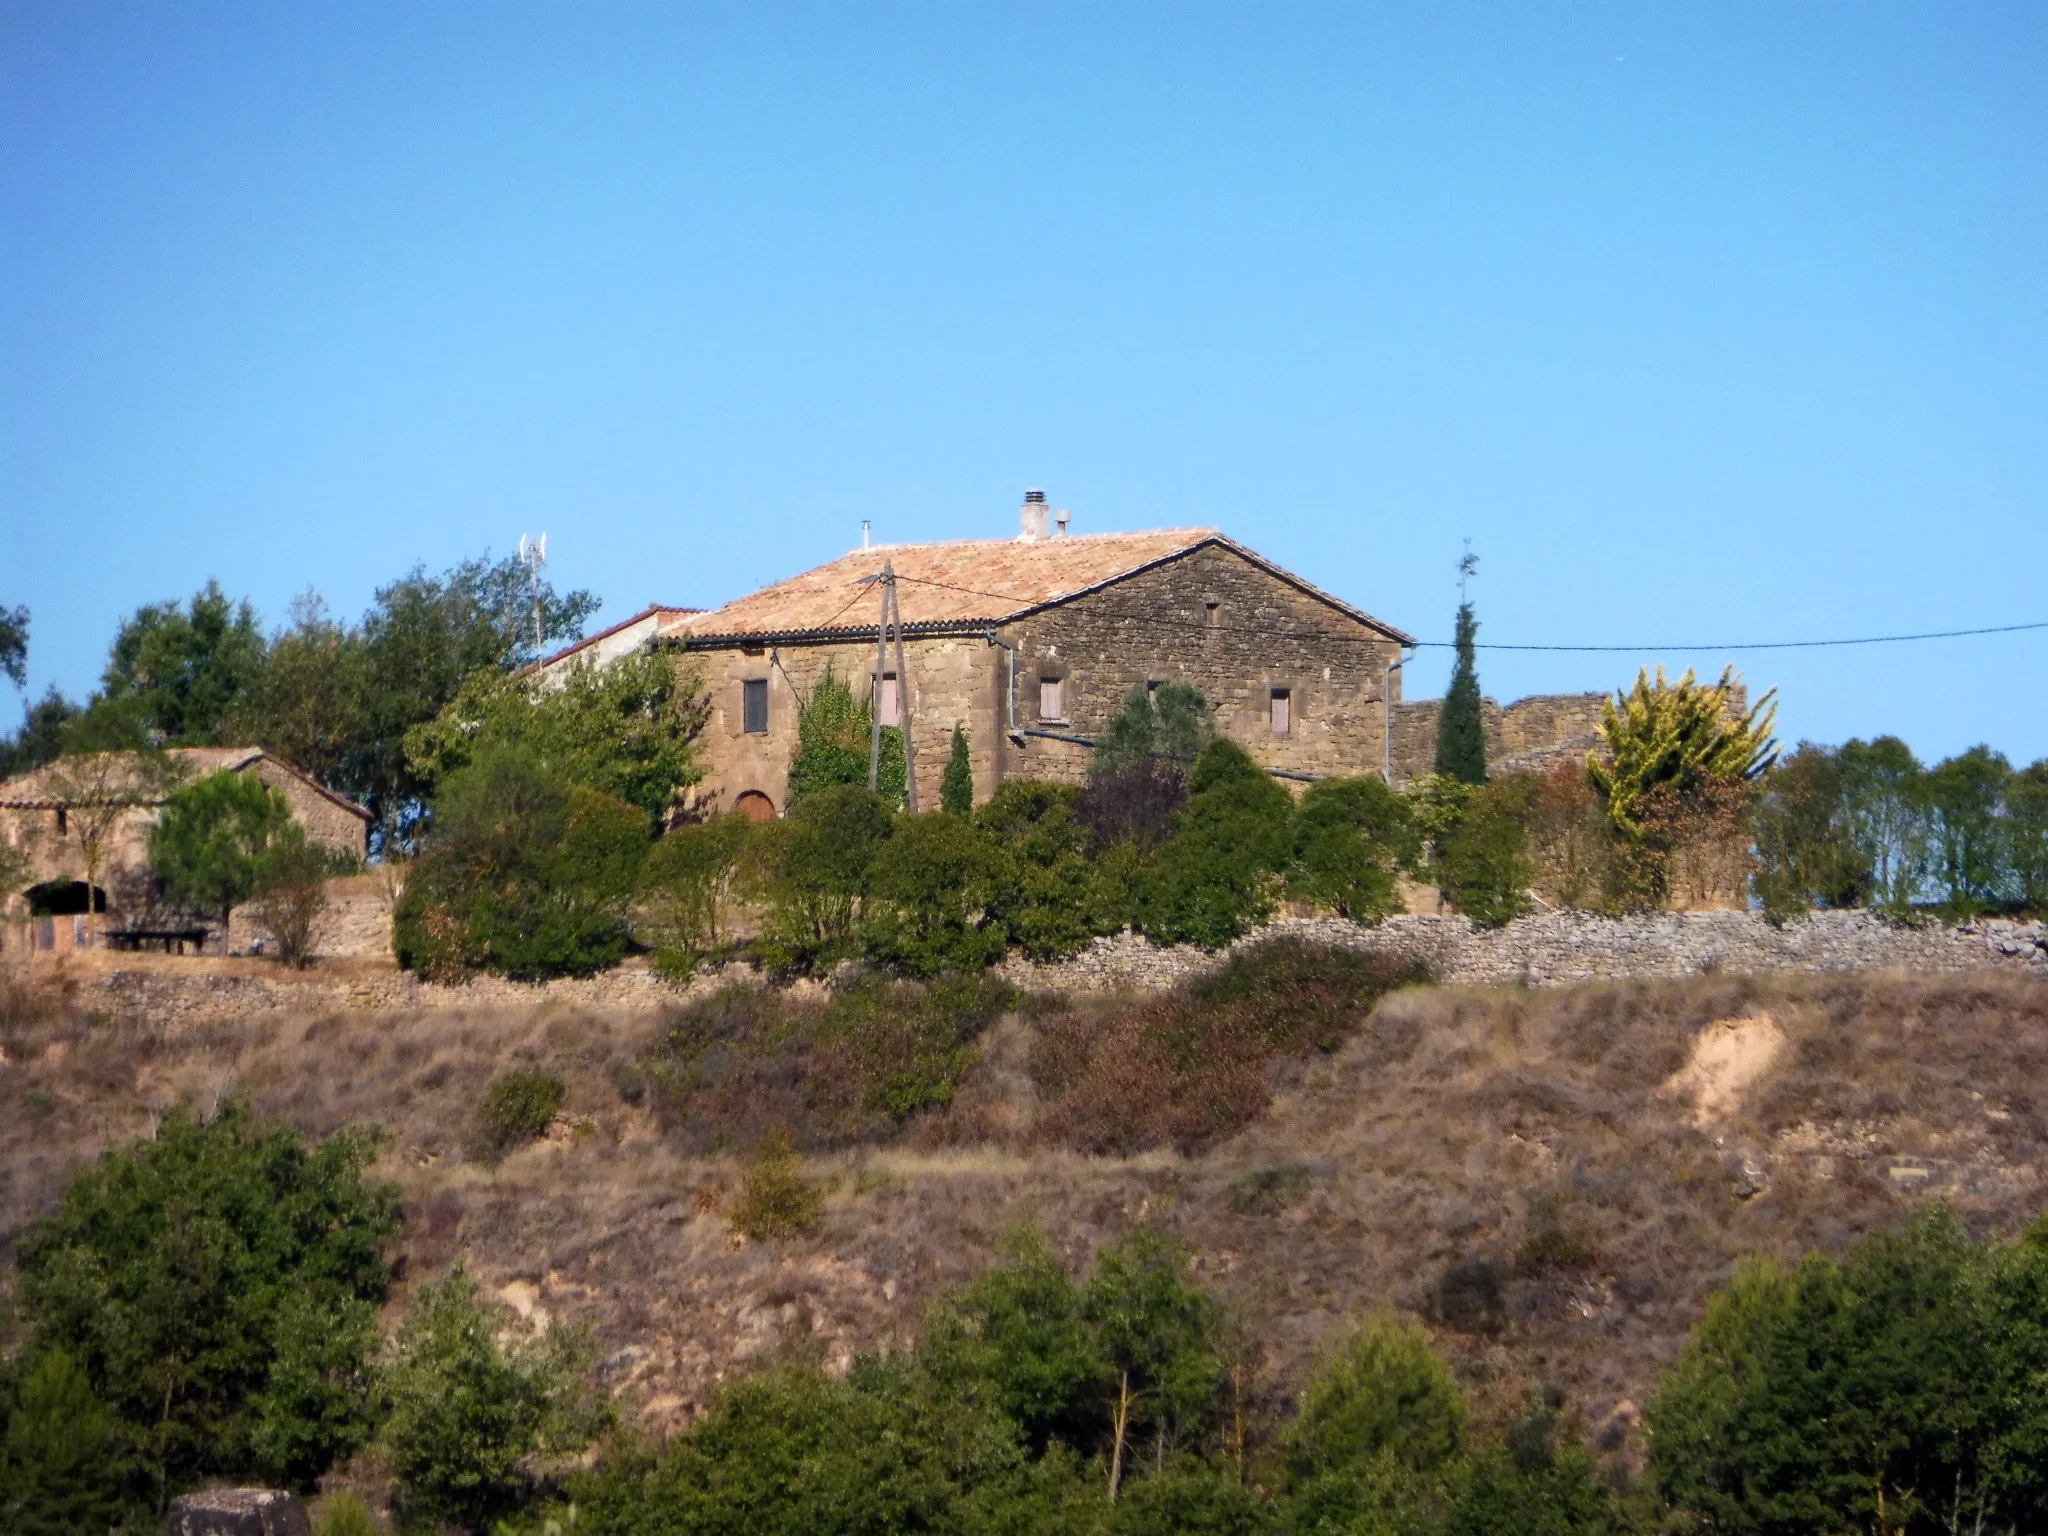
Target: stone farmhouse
(1033, 643)
(43, 813)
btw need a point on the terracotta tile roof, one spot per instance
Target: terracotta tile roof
(40, 790)
(963, 583)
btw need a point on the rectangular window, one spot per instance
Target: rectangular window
(1283, 712)
(891, 709)
(1052, 698)
(754, 705)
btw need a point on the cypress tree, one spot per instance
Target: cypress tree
(1460, 733)
(956, 789)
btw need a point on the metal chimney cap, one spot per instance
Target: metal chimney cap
(1034, 495)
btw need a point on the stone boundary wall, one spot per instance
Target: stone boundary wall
(1554, 949)
(1558, 948)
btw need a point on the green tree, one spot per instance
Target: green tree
(815, 869)
(1219, 873)
(2026, 799)
(1352, 838)
(691, 875)
(1383, 1392)
(834, 733)
(627, 729)
(1967, 795)
(1682, 734)
(463, 1411)
(522, 875)
(1482, 858)
(186, 668)
(14, 645)
(1806, 846)
(422, 637)
(307, 704)
(1062, 890)
(61, 1467)
(1162, 729)
(219, 1286)
(1896, 1390)
(1884, 793)
(210, 841)
(290, 892)
(956, 788)
(1023, 1328)
(40, 738)
(1460, 728)
(932, 889)
(1158, 1333)
(795, 1452)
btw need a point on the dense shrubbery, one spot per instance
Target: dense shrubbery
(1193, 1066)
(1038, 1402)
(523, 874)
(201, 1303)
(748, 1062)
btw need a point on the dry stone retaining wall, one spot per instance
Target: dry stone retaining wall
(1557, 948)
(1554, 949)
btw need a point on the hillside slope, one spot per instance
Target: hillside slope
(1554, 1178)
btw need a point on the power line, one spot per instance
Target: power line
(1322, 637)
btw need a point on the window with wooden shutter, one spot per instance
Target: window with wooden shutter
(754, 706)
(891, 703)
(1282, 711)
(1052, 698)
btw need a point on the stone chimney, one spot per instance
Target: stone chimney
(1036, 519)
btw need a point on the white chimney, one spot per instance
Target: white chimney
(1036, 520)
(1059, 521)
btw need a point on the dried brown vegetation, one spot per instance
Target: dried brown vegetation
(1511, 1166)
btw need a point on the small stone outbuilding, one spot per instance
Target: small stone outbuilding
(40, 813)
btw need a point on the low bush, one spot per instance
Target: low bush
(1064, 886)
(775, 1198)
(1191, 1067)
(1220, 872)
(343, 1514)
(932, 897)
(470, 1418)
(516, 1109)
(1266, 1190)
(1352, 839)
(1482, 857)
(858, 1066)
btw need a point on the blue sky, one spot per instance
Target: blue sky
(1703, 323)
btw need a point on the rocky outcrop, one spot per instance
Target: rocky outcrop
(237, 1512)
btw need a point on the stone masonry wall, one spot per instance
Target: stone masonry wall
(1555, 949)
(1214, 619)
(1529, 733)
(953, 678)
(1558, 948)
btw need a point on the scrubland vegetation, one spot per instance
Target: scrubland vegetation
(1340, 1253)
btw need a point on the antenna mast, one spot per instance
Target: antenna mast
(533, 554)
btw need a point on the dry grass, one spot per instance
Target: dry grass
(1502, 1162)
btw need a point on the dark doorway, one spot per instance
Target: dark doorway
(64, 898)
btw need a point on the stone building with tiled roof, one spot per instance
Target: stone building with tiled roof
(40, 812)
(1032, 643)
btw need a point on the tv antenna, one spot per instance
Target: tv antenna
(533, 554)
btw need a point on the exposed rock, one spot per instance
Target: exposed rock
(237, 1512)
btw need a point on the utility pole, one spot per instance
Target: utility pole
(892, 614)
